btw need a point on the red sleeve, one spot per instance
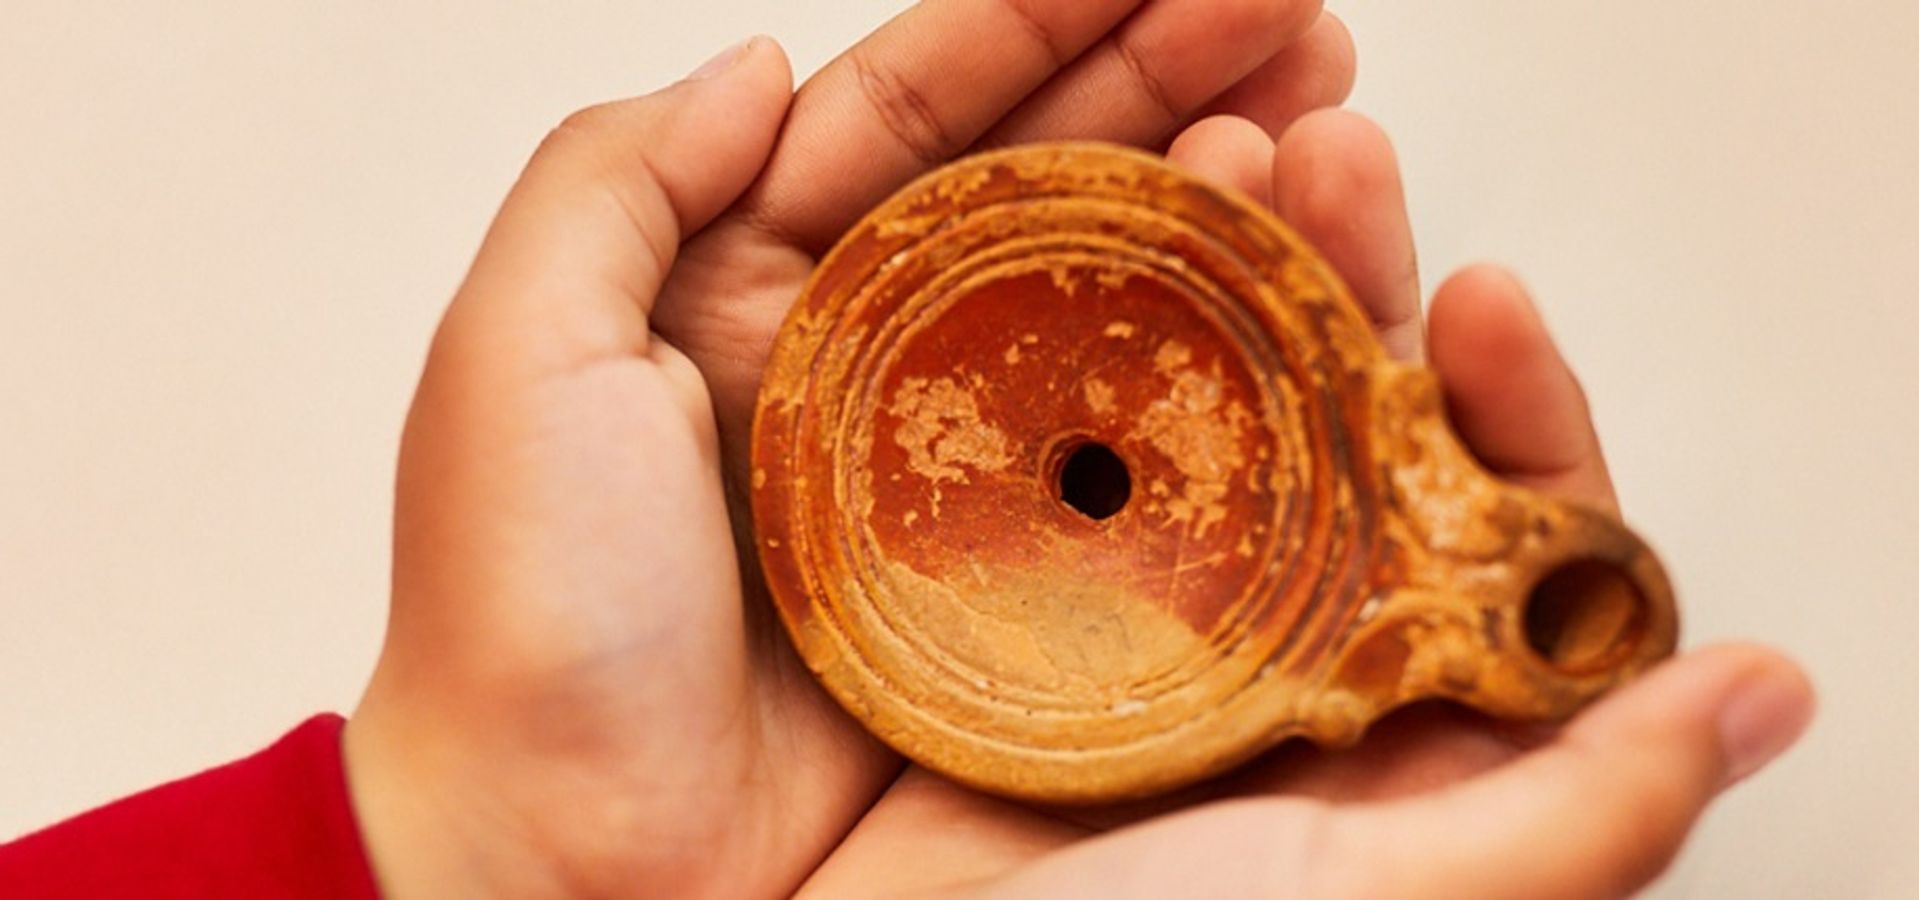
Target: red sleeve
(274, 825)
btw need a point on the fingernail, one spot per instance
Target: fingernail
(1764, 717)
(720, 63)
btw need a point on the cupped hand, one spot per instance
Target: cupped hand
(580, 693)
(1436, 801)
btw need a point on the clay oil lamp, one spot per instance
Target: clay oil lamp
(1077, 479)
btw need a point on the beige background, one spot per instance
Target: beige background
(226, 230)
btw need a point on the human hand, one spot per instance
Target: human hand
(1437, 801)
(580, 692)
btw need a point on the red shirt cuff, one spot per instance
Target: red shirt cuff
(276, 824)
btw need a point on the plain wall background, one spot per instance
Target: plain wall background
(227, 228)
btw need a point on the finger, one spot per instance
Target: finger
(1602, 810)
(1157, 71)
(1336, 179)
(1597, 813)
(1228, 150)
(908, 97)
(570, 268)
(1313, 72)
(1511, 395)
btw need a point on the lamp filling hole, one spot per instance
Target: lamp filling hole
(1094, 481)
(1585, 616)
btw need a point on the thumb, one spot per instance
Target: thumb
(564, 282)
(517, 484)
(1602, 810)
(571, 266)
(511, 448)
(1598, 813)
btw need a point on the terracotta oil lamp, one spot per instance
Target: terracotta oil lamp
(1077, 479)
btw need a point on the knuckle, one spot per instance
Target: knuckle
(903, 109)
(1281, 19)
(1041, 35)
(1149, 81)
(597, 153)
(584, 129)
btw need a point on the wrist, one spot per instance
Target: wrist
(422, 837)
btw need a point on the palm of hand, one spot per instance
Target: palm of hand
(581, 693)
